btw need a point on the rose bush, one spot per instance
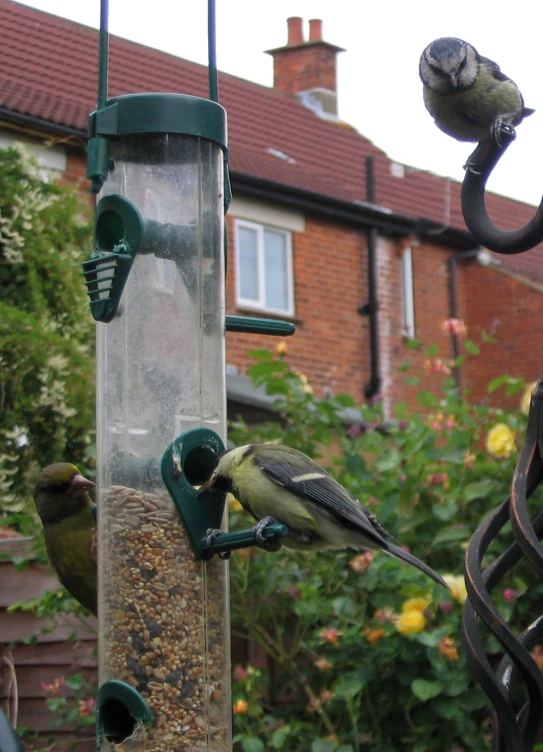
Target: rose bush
(364, 653)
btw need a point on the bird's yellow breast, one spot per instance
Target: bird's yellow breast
(467, 115)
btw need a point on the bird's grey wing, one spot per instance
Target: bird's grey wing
(495, 69)
(318, 486)
(497, 74)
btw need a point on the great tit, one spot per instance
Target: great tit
(69, 522)
(468, 95)
(276, 483)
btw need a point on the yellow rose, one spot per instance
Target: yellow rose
(412, 621)
(457, 586)
(500, 441)
(416, 604)
(526, 398)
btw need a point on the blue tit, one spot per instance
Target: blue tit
(468, 95)
(276, 483)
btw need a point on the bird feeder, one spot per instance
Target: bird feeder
(156, 283)
(159, 266)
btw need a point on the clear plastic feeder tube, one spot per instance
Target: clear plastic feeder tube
(164, 619)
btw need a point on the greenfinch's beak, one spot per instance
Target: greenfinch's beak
(81, 485)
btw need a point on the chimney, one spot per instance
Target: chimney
(307, 69)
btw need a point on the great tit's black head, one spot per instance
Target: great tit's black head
(59, 490)
(223, 478)
(448, 65)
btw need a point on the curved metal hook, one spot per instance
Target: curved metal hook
(480, 164)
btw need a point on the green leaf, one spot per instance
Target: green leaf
(412, 380)
(432, 351)
(356, 464)
(431, 639)
(323, 745)
(413, 344)
(446, 512)
(345, 607)
(279, 736)
(454, 455)
(252, 744)
(452, 534)
(498, 382)
(261, 354)
(345, 400)
(427, 399)
(471, 347)
(389, 460)
(349, 685)
(448, 709)
(514, 386)
(74, 682)
(425, 690)
(480, 489)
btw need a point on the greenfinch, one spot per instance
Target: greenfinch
(69, 523)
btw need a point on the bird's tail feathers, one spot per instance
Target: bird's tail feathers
(408, 558)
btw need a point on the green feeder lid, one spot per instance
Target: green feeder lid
(161, 113)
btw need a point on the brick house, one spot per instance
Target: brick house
(311, 195)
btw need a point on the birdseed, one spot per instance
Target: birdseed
(165, 625)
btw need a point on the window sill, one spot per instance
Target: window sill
(259, 313)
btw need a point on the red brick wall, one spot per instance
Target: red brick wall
(331, 344)
(493, 297)
(432, 308)
(76, 175)
(304, 67)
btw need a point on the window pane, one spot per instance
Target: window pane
(276, 270)
(248, 264)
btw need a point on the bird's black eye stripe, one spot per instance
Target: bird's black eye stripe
(463, 64)
(437, 69)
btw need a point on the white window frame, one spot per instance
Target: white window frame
(259, 305)
(408, 293)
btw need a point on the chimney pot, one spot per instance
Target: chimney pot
(295, 31)
(315, 30)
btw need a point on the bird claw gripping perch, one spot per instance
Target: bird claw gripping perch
(502, 132)
(211, 539)
(266, 534)
(261, 540)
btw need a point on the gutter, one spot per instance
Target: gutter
(37, 124)
(371, 308)
(357, 213)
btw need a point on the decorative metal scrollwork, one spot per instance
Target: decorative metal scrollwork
(515, 727)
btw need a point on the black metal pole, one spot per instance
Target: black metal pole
(370, 310)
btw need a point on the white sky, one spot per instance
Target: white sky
(378, 84)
